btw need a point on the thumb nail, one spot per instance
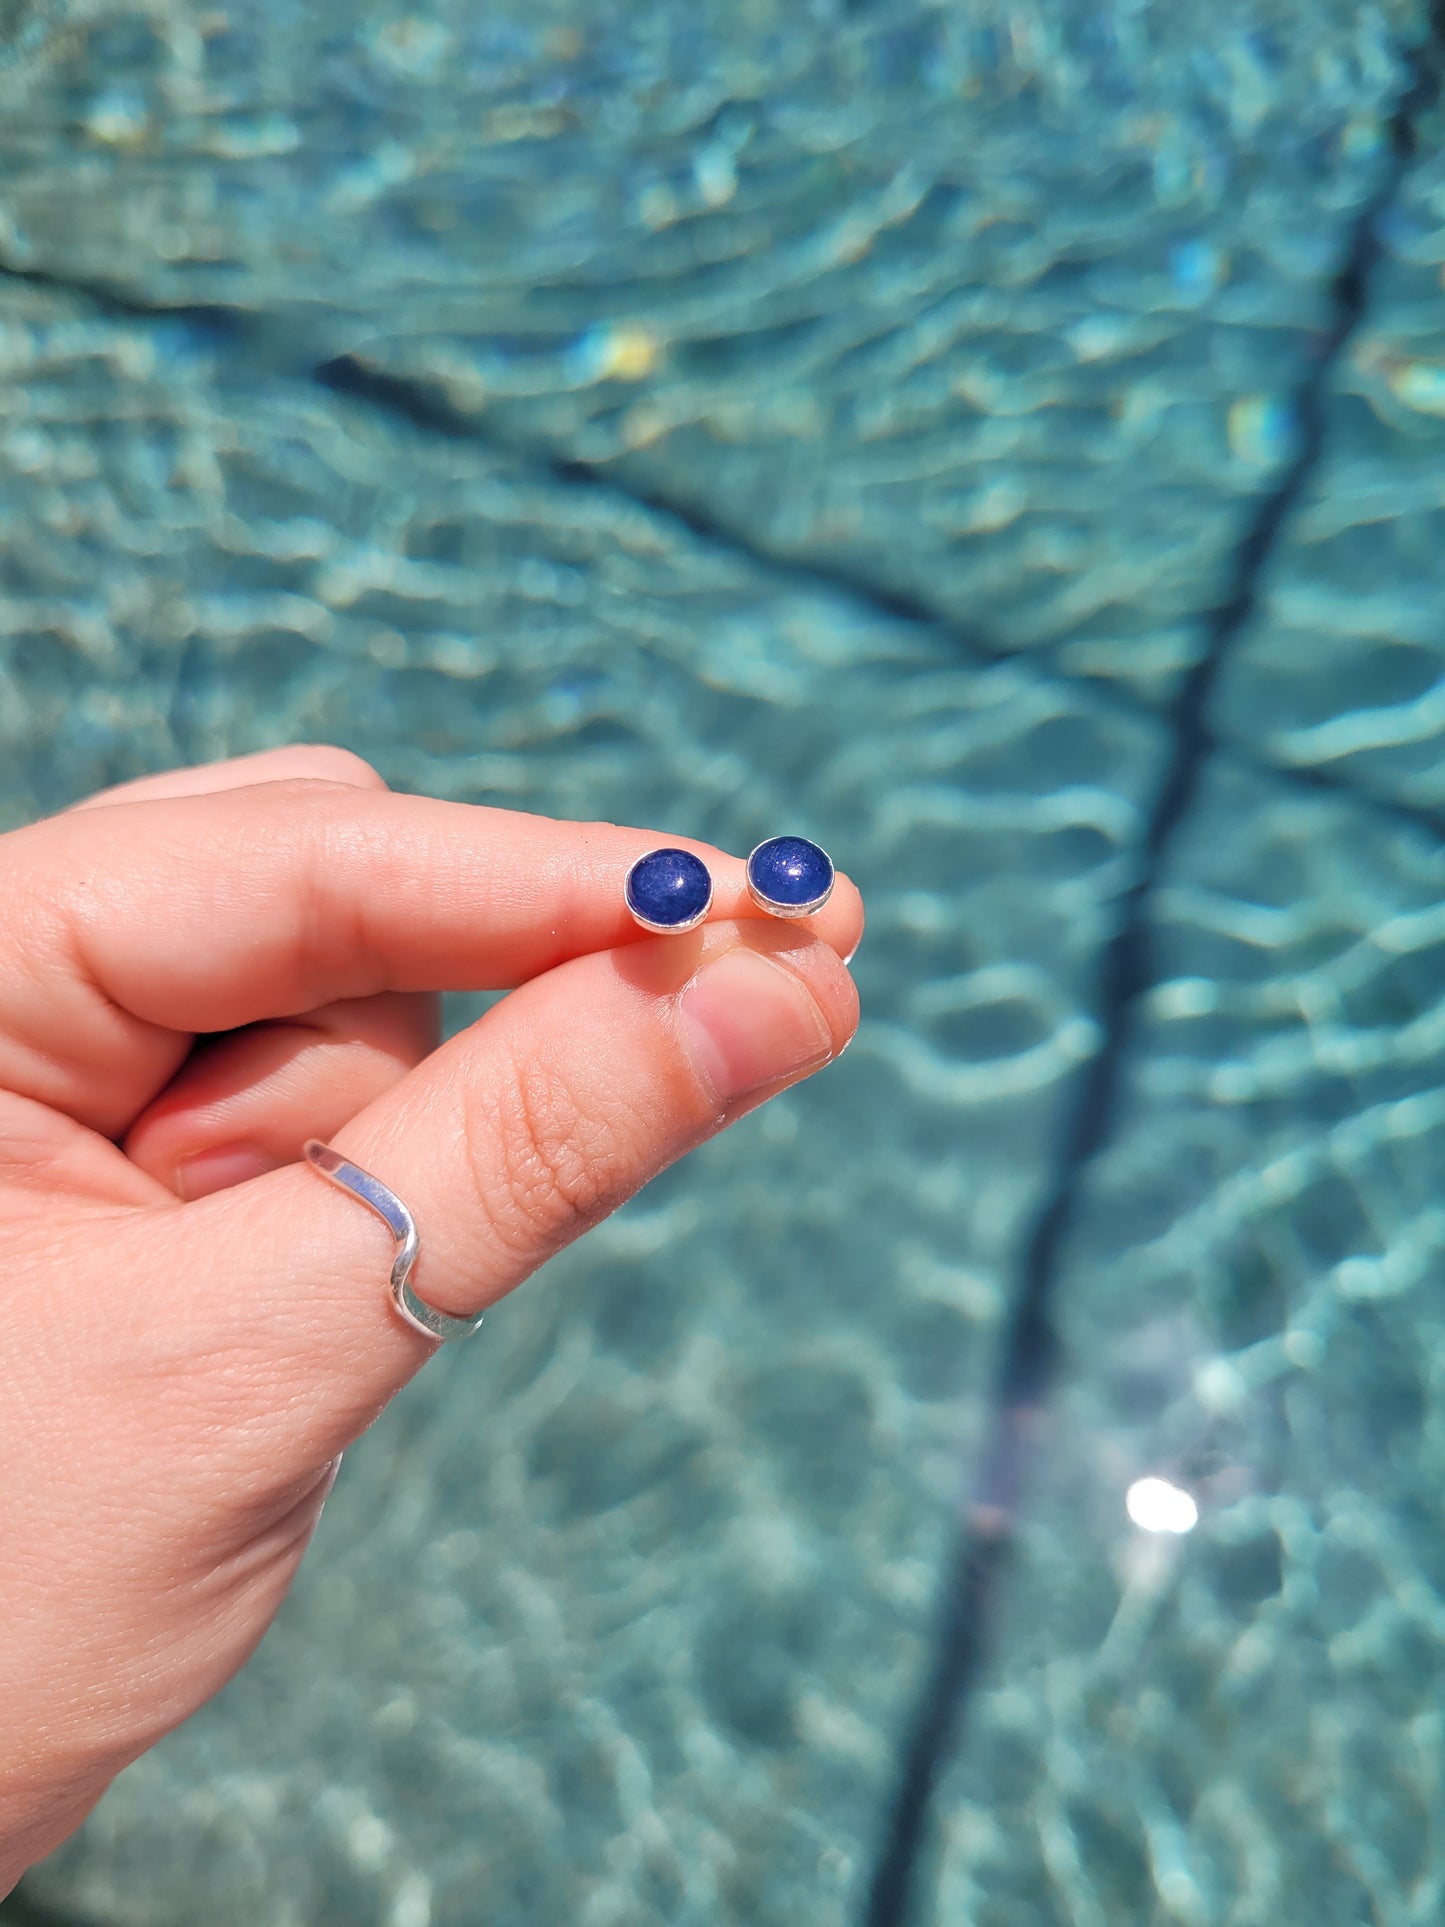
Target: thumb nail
(217, 1170)
(749, 1022)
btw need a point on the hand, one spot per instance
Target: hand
(197, 972)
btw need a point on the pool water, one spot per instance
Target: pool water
(1004, 441)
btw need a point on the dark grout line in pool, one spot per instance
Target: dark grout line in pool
(967, 1606)
(419, 403)
(238, 332)
(226, 326)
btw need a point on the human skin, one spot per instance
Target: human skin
(197, 972)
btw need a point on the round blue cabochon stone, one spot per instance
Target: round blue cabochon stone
(790, 870)
(668, 887)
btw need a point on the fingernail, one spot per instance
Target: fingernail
(749, 1022)
(218, 1170)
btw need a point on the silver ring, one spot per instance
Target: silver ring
(421, 1316)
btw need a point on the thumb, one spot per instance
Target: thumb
(277, 1333)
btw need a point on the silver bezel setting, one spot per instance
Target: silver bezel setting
(646, 923)
(787, 910)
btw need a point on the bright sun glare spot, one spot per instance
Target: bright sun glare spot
(1158, 1506)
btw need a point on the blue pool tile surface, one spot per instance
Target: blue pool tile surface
(1242, 1722)
(858, 421)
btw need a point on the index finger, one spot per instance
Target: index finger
(135, 923)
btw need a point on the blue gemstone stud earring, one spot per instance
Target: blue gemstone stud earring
(790, 877)
(669, 891)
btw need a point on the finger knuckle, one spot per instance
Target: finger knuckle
(329, 763)
(335, 954)
(549, 1163)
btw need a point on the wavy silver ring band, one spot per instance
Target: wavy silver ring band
(421, 1316)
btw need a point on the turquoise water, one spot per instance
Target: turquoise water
(1005, 442)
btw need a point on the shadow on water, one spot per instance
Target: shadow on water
(20, 1911)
